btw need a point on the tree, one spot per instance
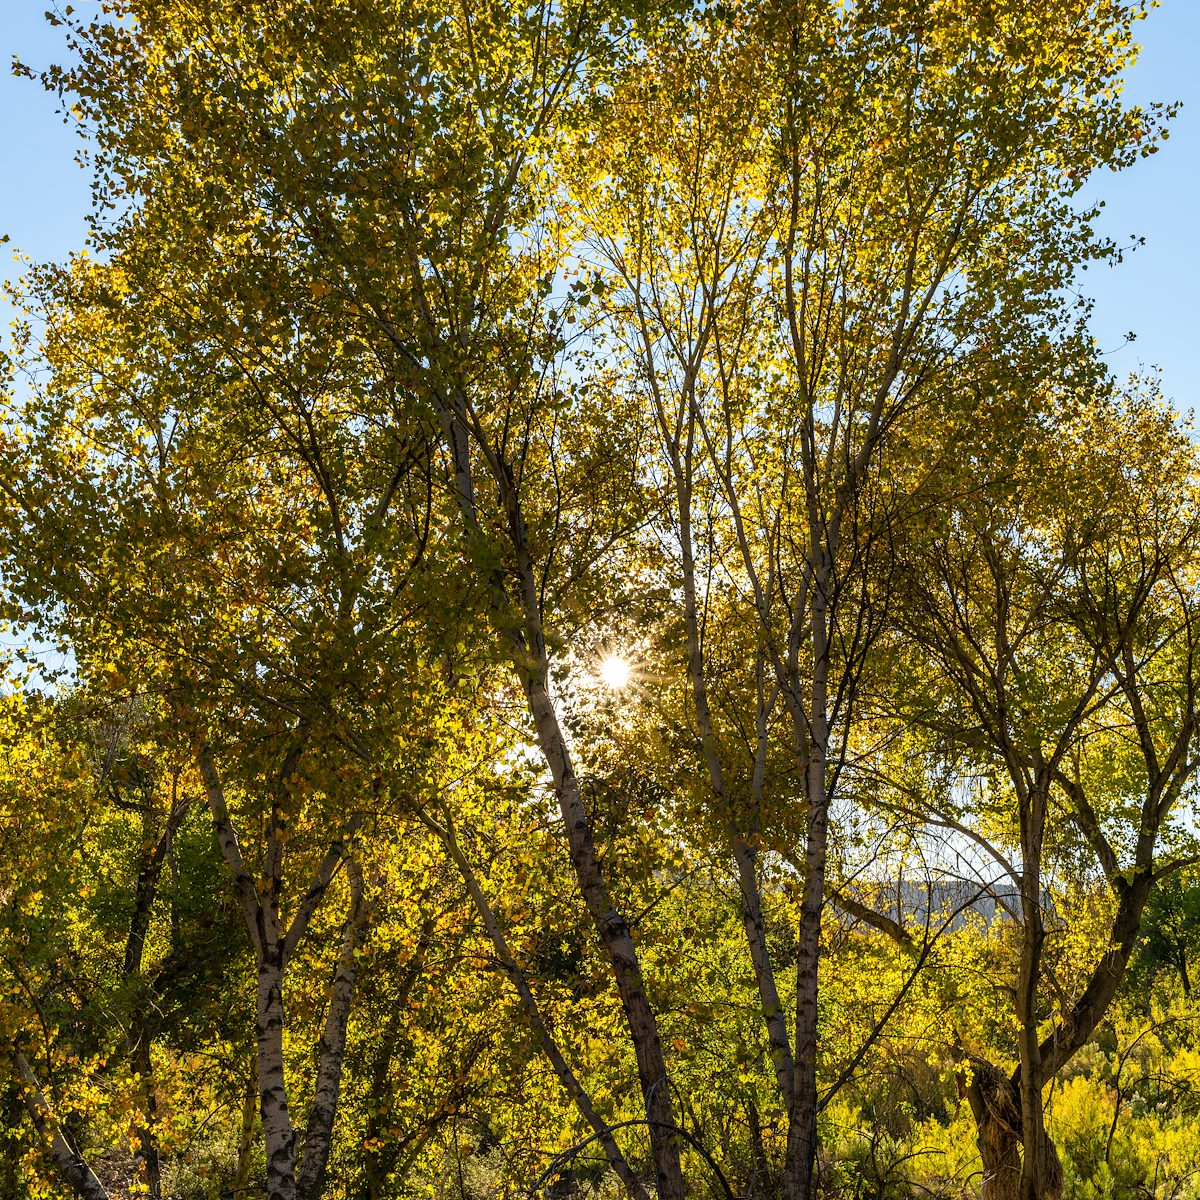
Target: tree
(796, 282)
(201, 562)
(1062, 620)
(329, 465)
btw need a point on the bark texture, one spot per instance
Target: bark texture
(272, 1088)
(996, 1108)
(996, 1104)
(71, 1165)
(274, 943)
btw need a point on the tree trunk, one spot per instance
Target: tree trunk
(144, 1131)
(1038, 1166)
(273, 948)
(764, 973)
(996, 1104)
(618, 942)
(759, 1183)
(997, 1110)
(532, 665)
(139, 1037)
(802, 1127)
(1034, 1166)
(743, 854)
(278, 1132)
(71, 1165)
(318, 1136)
(812, 742)
(1049, 1184)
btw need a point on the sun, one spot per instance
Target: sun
(614, 672)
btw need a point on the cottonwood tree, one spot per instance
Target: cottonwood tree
(187, 510)
(1060, 614)
(317, 403)
(453, 310)
(207, 348)
(792, 277)
(220, 371)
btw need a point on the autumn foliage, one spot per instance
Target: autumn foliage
(587, 617)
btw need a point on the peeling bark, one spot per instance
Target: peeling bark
(996, 1105)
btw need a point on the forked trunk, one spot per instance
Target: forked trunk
(996, 1106)
(273, 948)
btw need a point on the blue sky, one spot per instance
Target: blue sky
(1155, 293)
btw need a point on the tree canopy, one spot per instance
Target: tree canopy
(620, 637)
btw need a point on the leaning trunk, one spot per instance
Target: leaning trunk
(72, 1167)
(532, 666)
(541, 1031)
(764, 974)
(619, 945)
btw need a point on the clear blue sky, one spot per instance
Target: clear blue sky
(1156, 293)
